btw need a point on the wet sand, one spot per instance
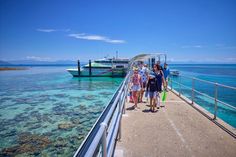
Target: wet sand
(12, 68)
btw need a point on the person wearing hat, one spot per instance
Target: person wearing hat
(136, 86)
(144, 76)
(152, 90)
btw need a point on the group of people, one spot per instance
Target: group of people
(150, 82)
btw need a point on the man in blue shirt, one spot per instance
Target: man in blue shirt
(166, 72)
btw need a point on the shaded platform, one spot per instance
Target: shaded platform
(175, 130)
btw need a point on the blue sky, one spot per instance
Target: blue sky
(199, 30)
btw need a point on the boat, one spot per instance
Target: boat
(174, 72)
(115, 62)
(106, 67)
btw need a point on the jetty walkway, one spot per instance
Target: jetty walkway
(174, 130)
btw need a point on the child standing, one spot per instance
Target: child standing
(152, 90)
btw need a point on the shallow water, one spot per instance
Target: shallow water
(45, 111)
(218, 73)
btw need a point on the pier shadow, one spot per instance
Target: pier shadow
(148, 111)
(130, 108)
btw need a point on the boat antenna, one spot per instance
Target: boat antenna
(116, 54)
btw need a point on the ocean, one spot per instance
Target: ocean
(217, 73)
(44, 111)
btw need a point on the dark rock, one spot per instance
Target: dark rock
(28, 143)
(66, 126)
(27, 124)
(10, 133)
(60, 95)
(36, 153)
(105, 93)
(28, 108)
(3, 99)
(35, 126)
(89, 97)
(34, 113)
(60, 142)
(68, 104)
(20, 118)
(75, 120)
(76, 139)
(47, 134)
(8, 152)
(82, 120)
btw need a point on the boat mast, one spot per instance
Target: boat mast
(116, 54)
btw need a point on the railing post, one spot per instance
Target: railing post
(78, 68)
(104, 140)
(122, 96)
(216, 97)
(193, 91)
(125, 97)
(171, 87)
(119, 131)
(179, 86)
(90, 68)
(120, 100)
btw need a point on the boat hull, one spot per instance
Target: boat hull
(174, 73)
(97, 73)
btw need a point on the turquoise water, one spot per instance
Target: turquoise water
(44, 111)
(219, 73)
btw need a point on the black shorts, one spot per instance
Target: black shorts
(144, 84)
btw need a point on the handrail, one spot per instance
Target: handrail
(107, 126)
(194, 90)
(209, 82)
(215, 98)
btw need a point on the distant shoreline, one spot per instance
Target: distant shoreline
(12, 68)
(36, 65)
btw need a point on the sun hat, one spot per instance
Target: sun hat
(135, 69)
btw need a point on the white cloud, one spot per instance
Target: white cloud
(191, 46)
(36, 58)
(198, 46)
(46, 30)
(96, 37)
(115, 41)
(52, 30)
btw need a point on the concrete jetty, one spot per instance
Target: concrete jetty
(176, 130)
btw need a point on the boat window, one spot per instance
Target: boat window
(119, 66)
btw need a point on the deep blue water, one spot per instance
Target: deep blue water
(217, 73)
(44, 111)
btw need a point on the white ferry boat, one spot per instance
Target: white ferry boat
(106, 67)
(174, 72)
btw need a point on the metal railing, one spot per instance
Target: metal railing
(101, 139)
(194, 91)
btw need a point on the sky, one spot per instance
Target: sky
(186, 30)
